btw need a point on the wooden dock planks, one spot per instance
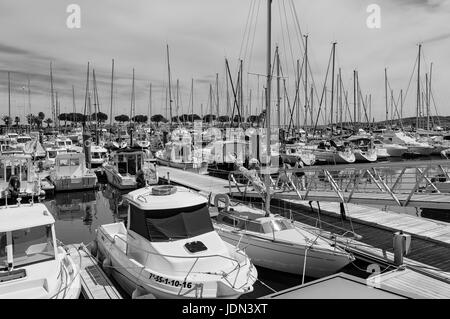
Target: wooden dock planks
(94, 282)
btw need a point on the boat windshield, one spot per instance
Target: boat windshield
(29, 246)
(171, 224)
(52, 154)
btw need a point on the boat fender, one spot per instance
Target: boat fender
(94, 248)
(224, 198)
(137, 293)
(106, 265)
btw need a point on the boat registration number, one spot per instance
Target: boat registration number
(170, 282)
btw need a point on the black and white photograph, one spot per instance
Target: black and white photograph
(202, 150)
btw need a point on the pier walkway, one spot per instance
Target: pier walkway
(430, 245)
(424, 184)
(94, 282)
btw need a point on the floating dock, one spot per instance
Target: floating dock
(94, 282)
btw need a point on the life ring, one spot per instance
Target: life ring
(224, 198)
(163, 190)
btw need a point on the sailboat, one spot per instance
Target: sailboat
(271, 240)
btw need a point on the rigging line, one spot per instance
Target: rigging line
(283, 37)
(346, 101)
(410, 79)
(296, 93)
(249, 31)
(323, 92)
(254, 33)
(303, 45)
(288, 35)
(245, 28)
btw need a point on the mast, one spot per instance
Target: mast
(192, 100)
(228, 95)
(401, 104)
(332, 86)
(210, 105)
(170, 92)
(354, 100)
(86, 98)
(278, 89)
(386, 94)
(132, 99)
(178, 101)
(73, 102)
(112, 94)
(150, 104)
(217, 94)
(241, 94)
(29, 99)
(340, 99)
(267, 176)
(306, 79)
(9, 96)
(418, 89)
(51, 93)
(429, 90)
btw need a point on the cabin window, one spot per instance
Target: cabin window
(74, 162)
(32, 245)
(64, 162)
(3, 255)
(132, 166)
(254, 227)
(171, 224)
(122, 167)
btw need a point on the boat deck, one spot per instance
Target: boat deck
(94, 282)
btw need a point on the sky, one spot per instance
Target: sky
(201, 34)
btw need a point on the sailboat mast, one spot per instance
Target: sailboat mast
(150, 104)
(332, 86)
(306, 80)
(267, 176)
(278, 89)
(170, 92)
(192, 100)
(51, 93)
(112, 95)
(386, 94)
(418, 88)
(354, 100)
(217, 94)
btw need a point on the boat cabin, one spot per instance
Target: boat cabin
(254, 222)
(168, 213)
(27, 237)
(128, 161)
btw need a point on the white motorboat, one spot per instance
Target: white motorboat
(414, 147)
(32, 264)
(182, 155)
(275, 242)
(129, 169)
(99, 155)
(392, 149)
(170, 249)
(70, 173)
(18, 177)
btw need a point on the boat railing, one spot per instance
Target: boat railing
(400, 181)
(238, 265)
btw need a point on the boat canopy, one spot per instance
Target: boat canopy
(170, 224)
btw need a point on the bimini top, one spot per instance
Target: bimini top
(164, 197)
(24, 216)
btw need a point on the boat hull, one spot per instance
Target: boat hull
(119, 181)
(74, 183)
(199, 168)
(287, 258)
